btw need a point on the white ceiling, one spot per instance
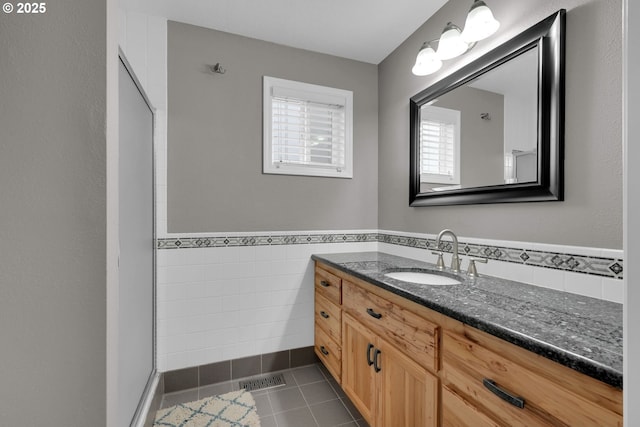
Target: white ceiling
(364, 30)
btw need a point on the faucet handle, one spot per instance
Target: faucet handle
(455, 263)
(472, 271)
(440, 262)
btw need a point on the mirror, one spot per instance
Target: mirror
(493, 132)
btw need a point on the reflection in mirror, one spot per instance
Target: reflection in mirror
(493, 131)
(484, 132)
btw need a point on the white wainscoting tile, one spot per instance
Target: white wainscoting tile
(509, 271)
(267, 291)
(548, 278)
(224, 303)
(583, 284)
(613, 290)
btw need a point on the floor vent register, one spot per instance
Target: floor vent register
(271, 381)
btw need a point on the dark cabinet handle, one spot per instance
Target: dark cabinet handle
(369, 348)
(503, 394)
(376, 367)
(372, 313)
(325, 283)
(324, 314)
(324, 350)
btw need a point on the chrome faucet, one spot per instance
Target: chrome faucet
(455, 260)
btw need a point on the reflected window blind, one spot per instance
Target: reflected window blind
(438, 148)
(308, 133)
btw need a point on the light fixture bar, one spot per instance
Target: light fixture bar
(454, 42)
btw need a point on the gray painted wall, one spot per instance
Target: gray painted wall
(482, 141)
(52, 219)
(215, 181)
(591, 214)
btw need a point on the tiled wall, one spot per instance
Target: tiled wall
(592, 272)
(224, 297)
(229, 302)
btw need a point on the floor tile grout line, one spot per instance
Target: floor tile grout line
(269, 393)
(307, 405)
(353, 417)
(275, 419)
(309, 408)
(292, 409)
(326, 380)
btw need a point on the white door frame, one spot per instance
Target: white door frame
(631, 206)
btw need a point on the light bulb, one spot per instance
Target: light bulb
(451, 43)
(427, 61)
(480, 23)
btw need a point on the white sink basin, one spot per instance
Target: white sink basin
(423, 278)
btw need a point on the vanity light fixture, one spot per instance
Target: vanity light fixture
(451, 43)
(454, 42)
(427, 61)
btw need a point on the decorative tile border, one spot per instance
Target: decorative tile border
(598, 266)
(264, 240)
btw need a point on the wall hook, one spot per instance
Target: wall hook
(485, 116)
(218, 68)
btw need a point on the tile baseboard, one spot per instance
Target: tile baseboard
(198, 376)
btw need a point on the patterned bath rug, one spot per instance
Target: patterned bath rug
(234, 409)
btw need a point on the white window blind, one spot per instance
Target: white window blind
(307, 129)
(439, 145)
(307, 133)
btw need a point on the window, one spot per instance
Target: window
(307, 129)
(439, 145)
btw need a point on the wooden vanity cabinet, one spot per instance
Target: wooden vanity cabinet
(533, 394)
(410, 333)
(388, 352)
(408, 393)
(402, 364)
(359, 381)
(388, 388)
(328, 319)
(457, 412)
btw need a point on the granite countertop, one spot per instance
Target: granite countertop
(580, 332)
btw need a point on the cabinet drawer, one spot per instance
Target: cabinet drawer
(457, 412)
(328, 285)
(329, 352)
(328, 317)
(467, 366)
(413, 335)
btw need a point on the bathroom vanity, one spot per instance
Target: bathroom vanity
(484, 352)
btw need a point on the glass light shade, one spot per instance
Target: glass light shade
(427, 61)
(451, 43)
(480, 23)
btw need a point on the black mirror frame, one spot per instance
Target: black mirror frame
(549, 36)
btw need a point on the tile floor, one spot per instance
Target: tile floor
(310, 398)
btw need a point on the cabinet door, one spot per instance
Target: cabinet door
(408, 392)
(358, 381)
